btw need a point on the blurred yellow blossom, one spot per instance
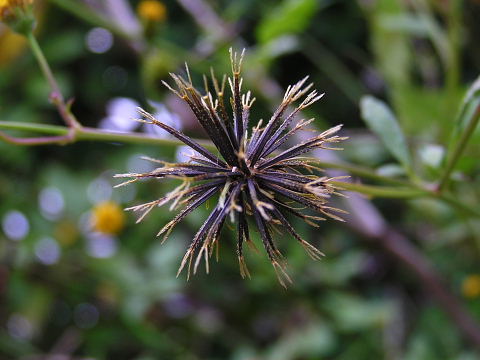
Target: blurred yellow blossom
(152, 10)
(11, 45)
(66, 232)
(18, 15)
(471, 286)
(8, 8)
(108, 218)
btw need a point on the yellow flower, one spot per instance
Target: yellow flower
(18, 15)
(151, 10)
(66, 232)
(8, 8)
(11, 45)
(108, 218)
(471, 286)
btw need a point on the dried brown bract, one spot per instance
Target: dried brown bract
(252, 177)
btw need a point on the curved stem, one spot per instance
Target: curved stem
(92, 134)
(362, 172)
(42, 61)
(56, 95)
(458, 150)
(62, 135)
(383, 191)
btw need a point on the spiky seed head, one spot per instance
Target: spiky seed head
(254, 176)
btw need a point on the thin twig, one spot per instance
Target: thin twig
(83, 134)
(44, 140)
(459, 148)
(56, 95)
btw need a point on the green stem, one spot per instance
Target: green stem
(92, 134)
(453, 201)
(362, 172)
(33, 127)
(406, 192)
(56, 96)
(383, 191)
(42, 61)
(437, 35)
(459, 148)
(403, 189)
(454, 20)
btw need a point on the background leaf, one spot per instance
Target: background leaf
(291, 16)
(470, 105)
(381, 120)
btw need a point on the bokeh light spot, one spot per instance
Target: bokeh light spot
(101, 246)
(15, 225)
(99, 190)
(99, 40)
(51, 203)
(47, 251)
(19, 327)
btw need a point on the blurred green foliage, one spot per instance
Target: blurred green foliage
(117, 297)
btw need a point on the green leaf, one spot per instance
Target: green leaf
(467, 123)
(312, 341)
(352, 313)
(403, 22)
(470, 104)
(381, 120)
(290, 17)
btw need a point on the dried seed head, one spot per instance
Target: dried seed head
(252, 177)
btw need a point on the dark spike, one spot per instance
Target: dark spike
(251, 179)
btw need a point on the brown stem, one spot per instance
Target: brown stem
(365, 219)
(402, 249)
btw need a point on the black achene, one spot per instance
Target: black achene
(252, 177)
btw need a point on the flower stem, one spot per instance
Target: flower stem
(56, 95)
(458, 150)
(383, 191)
(362, 172)
(42, 61)
(408, 191)
(403, 189)
(92, 134)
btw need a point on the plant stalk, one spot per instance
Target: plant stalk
(56, 95)
(403, 189)
(458, 150)
(92, 134)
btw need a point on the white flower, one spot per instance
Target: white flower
(121, 113)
